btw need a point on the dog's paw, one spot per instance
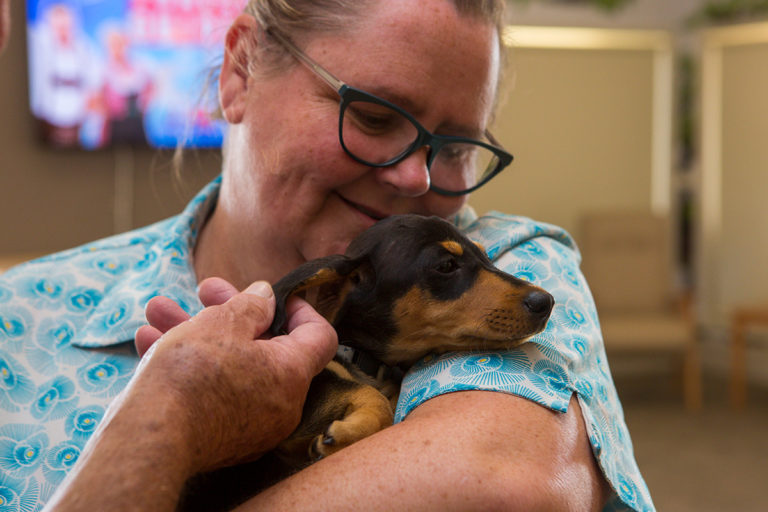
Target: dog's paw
(368, 412)
(326, 444)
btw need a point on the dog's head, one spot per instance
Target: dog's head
(412, 285)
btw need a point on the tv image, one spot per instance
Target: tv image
(134, 72)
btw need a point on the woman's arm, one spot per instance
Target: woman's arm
(474, 450)
(471, 450)
(175, 418)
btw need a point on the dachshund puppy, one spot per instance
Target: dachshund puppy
(406, 287)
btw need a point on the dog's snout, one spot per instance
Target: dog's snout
(539, 302)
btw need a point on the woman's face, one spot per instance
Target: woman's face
(288, 184)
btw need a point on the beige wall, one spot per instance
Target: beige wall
(745, 175)
(732, 248)
(654, 14)
(580, 123)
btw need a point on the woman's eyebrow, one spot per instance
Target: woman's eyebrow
(392, 96)
(461, 130)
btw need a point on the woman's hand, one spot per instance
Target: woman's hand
(163, 313)
(239, 395)
(208, 392)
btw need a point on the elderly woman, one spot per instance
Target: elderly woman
(310, 161)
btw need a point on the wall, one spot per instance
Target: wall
(732, 244)
(579, 122)
(745, 159)
(654, 14)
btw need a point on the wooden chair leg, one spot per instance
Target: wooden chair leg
(738, 365)
(692, 377)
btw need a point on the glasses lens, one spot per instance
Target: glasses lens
(375, 133)
(461, 165)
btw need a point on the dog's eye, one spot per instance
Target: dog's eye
(447, 266)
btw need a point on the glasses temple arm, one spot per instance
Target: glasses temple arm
(492, 139)
(307, 61)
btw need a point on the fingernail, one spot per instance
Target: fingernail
(260, 288)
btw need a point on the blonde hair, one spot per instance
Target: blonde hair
(292, 16)
(296, 19)
(301, 19)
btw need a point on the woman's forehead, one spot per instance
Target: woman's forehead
(418, 57)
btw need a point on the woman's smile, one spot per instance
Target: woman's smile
(364, 210)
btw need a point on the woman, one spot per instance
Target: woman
(294, 187)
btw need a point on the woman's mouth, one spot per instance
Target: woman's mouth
(375, 215)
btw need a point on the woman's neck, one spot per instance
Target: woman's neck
(237, 253)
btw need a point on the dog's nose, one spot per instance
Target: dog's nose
(539, 302)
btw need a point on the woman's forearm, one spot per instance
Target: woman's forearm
(179, 414)
(461, 451)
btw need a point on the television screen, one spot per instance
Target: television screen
(105, 72)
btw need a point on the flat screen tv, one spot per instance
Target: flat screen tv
(108, 72)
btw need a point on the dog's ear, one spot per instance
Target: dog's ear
(479, 246)
(325, 283)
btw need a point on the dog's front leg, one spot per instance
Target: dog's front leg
(367, 411)
(339, 411)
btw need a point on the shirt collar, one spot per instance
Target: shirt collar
(166, 269)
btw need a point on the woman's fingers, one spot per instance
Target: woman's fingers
(163, 313)
(215, 291)
(310, 334)
(145, 337)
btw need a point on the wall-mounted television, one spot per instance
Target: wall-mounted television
(109, 72)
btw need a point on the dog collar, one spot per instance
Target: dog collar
(368, 364)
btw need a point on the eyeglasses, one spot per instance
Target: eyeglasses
(378, 133)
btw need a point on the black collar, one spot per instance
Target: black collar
(369, 364)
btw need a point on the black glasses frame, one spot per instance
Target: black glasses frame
(348, 94)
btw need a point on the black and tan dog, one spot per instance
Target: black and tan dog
(406, 287)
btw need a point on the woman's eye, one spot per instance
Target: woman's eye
(372, 121)
(447, 266)
(457, 152)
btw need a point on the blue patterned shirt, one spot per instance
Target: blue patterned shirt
(67, 323)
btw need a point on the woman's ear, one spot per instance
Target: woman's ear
(239, 46)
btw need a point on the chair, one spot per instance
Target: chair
(743, 318)
(628, 265)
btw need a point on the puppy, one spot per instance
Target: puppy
(406, 287)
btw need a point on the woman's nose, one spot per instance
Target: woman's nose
(410, 176)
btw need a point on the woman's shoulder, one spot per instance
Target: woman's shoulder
(101, 287)
(500, 232)
(105, 252)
